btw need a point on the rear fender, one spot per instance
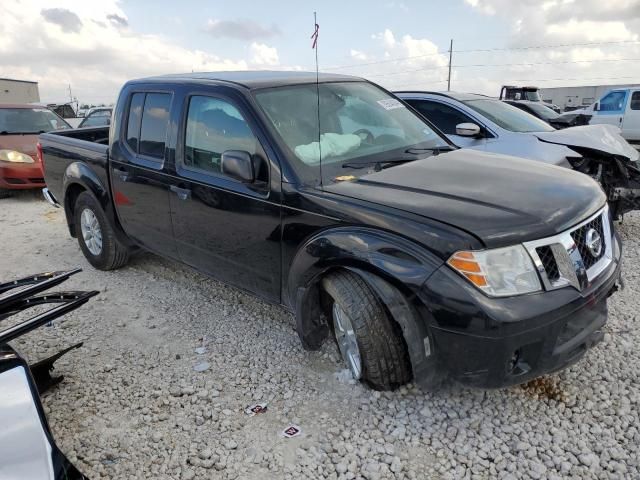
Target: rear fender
(79, 175)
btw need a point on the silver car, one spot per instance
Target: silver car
(485, 123)
(488, 124)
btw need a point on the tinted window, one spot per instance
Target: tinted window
(507, 116)
(442, 116)
(214, 126)
(153, 128)
(613, 102)
(635, 101)
(133, 123)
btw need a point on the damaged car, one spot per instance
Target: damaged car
(27, 447)
(487, 124)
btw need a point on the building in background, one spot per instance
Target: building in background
(18, 91)
(570, 98)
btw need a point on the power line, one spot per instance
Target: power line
(503, 65)
(532, 47)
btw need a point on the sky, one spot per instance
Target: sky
(95, 46)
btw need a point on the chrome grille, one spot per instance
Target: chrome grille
(579, 236)
(572, 257)
(548, 262)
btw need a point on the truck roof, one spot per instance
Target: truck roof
(252, 79)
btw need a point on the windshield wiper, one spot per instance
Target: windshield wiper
(434, 150)
(377, 165)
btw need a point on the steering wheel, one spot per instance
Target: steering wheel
(365, 135)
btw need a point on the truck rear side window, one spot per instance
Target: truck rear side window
(133, 123)
(153, 128)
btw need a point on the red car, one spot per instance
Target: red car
(20, 125)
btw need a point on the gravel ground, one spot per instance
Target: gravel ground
(131, 405)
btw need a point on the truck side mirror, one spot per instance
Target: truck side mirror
(468, 130)
(238, 164)
(596, 106)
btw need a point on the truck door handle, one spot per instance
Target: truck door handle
(121, 173)
(182, 193)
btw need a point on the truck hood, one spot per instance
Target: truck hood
(603, 138)
(501, 200)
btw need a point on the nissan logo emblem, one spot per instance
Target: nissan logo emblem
(594, 242)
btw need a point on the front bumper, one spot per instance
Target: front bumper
(20, 176)
(496, 342)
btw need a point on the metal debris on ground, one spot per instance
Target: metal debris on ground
(291, 431)
(256, 409)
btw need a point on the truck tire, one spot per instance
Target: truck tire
(365, 333)
(95, 235)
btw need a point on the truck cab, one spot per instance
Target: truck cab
(620, 108)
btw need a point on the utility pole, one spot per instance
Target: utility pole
(450, 58)
(70, 95)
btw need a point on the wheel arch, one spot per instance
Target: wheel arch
(78, 178)
(392, 266)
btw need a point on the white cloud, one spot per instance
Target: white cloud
(96, 56)
(358, 55)
(263, 55)
(420, 62)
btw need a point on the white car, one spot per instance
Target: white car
(620, 108)
(488, 124)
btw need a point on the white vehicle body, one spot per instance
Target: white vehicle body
(619, 107)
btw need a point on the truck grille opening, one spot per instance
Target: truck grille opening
(580, 237)
(574, 257)
(548, 262)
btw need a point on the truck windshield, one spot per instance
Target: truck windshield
(359, 124)
(507, 116)
(29, 120)
(532, 95)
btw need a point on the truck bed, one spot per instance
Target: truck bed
(87, 148)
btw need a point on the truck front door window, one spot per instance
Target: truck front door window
(214, 126)
(613, 102)
(153, 128)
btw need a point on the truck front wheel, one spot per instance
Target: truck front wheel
(369, 341)
(97, 239)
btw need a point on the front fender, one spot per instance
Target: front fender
(394, 267)
(391, 256)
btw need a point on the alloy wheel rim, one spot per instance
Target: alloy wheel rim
(91, 233)
(347, 342)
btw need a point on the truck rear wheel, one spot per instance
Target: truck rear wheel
(370, 342)
(96, 238)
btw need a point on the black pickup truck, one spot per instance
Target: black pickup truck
(336, 200)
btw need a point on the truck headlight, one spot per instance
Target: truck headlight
(14, 157)
(499, 272)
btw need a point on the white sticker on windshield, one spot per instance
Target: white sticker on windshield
(390, 104)
(40, 110)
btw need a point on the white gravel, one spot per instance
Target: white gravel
(133, 406)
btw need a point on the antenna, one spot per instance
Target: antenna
(450, 57)
(314, 45)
